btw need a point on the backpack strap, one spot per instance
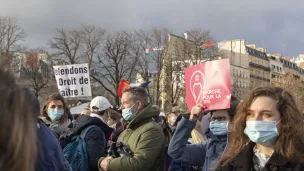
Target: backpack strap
(85, 131)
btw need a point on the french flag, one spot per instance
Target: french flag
(125, 84)
(143, 84)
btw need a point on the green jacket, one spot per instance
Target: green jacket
(146, 140)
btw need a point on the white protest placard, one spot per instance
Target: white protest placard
(73, 81)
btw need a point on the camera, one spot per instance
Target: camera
(119, 149)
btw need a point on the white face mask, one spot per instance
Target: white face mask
(128, 114)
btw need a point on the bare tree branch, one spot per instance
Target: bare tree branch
(92, 39)
(11, 34)
(116, 61)
(66, 44)
(37, 73)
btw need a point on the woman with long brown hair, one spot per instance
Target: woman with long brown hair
(18, 139)
(267, 135)
(55, 114)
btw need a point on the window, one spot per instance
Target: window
(273, 76)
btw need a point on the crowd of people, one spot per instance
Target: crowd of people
(262, 132)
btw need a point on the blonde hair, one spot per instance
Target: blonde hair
(17, 127)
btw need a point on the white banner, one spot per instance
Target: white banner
(73, 80)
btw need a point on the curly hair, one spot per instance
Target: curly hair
(290, 143)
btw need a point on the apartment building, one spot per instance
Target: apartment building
(178, 54)
(277, 69)
(258, 66)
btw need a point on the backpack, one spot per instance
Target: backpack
(76, 151)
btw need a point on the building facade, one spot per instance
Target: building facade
(259, 68)
(178, 54)
(277, 70)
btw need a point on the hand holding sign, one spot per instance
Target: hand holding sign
(197, 112)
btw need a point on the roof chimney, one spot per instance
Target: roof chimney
(186, 35)
(251, 46)
(262, 49)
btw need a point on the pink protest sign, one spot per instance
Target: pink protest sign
(209, 84)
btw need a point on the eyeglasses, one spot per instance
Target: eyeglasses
(220, 118)
(58, 106)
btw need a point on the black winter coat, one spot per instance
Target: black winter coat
(244, 162)
(94, 138)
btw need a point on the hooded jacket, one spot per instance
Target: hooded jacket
(146, 140)
(204, 154)
(50, 156)
(94, 138)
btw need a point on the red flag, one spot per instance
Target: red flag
(208, 44)
(122, 86)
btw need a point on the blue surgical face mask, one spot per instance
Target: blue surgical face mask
(55, 115)
(219, 128)
(262, 132)
(173, 119)
(128, 114)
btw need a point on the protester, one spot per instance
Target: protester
(176, 110)
(86, 110)
(196, 135)
(143, 136)
(267, 135)
(206, 153)
(162, 121)
(96, 137)
(114, 122)
(17, 127)
(171, 119)
(50, 155)
(56, 115)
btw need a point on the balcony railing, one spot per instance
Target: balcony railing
(260, 78)
(259, 66)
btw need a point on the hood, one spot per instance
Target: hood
(146, 114)
(83, 121)
(34, 99)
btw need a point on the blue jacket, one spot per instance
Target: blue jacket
(204, 154)
(50, 155)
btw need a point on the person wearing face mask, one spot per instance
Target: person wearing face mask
(114, 122)
(171, 119)
(143, 136)
(268, 133)
(98, 132)
(55, 116)
(203, 154)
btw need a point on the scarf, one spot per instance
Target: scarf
(62, 130)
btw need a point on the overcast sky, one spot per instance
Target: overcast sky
(272, 23)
